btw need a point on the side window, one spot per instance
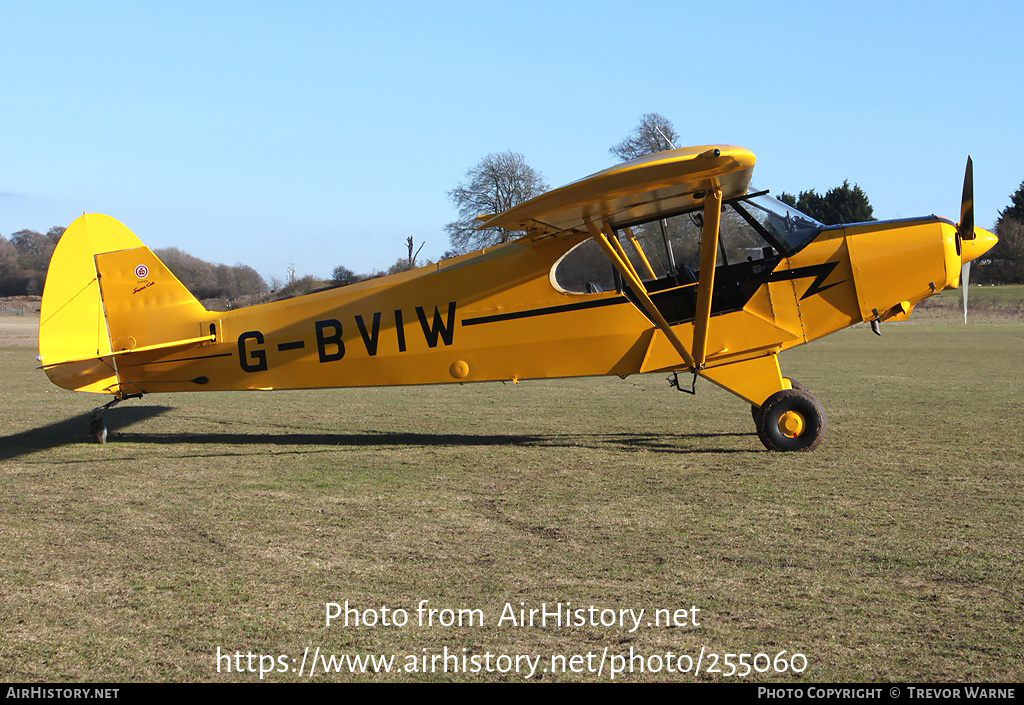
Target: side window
(585, 270)
(665, 252)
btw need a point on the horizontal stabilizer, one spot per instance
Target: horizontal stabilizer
(148, 348)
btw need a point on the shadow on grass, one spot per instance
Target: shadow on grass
(679, 443)
(72, 430)
(75, 430)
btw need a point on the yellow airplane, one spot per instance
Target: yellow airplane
(667, 263)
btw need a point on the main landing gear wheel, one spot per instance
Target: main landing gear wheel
(791, 420)
(755, 409)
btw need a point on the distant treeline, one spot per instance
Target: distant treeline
(212, 281)
(24, 259)
(25, 256)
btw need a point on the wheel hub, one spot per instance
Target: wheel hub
(791, 424)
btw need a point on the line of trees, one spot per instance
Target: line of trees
(842, 204)
(25, 257)
(212, 281)
(498, 182)
(1004, 263)
(343, 276)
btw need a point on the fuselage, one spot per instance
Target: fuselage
(500, 314)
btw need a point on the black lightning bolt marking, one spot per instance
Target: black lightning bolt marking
(820, 272)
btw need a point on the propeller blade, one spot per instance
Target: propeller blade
(966, 226)
(965, 282)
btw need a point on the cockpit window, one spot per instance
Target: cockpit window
(755, 232)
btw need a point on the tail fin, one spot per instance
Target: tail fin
(107, 294)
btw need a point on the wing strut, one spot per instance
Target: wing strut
(706, 282)
(623, 257)
(640, 252)
(629, 274)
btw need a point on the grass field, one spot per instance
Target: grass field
(984, 298)
(895, 552)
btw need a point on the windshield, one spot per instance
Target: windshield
(784, 222)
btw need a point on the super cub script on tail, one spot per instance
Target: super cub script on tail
(667, 263)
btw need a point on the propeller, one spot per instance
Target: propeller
(965, 228)
(965, 277)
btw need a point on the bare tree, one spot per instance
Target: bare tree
(412, 255)
(654, 134)
(497, 183)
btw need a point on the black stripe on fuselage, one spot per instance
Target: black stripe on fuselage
(577, 306)
(179, 359)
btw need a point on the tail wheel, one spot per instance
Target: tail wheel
(98, 430)
(791, 420)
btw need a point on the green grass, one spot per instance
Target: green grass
(1007, 297)
(892, 553)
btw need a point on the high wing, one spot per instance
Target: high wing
(657, 184)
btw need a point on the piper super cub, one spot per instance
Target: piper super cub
(667, 263)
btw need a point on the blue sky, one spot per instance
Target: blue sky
(325, 133)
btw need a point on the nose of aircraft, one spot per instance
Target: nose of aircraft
(971, 250)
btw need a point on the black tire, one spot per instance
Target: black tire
(806, 413)
(98, 431)
(755, 409)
